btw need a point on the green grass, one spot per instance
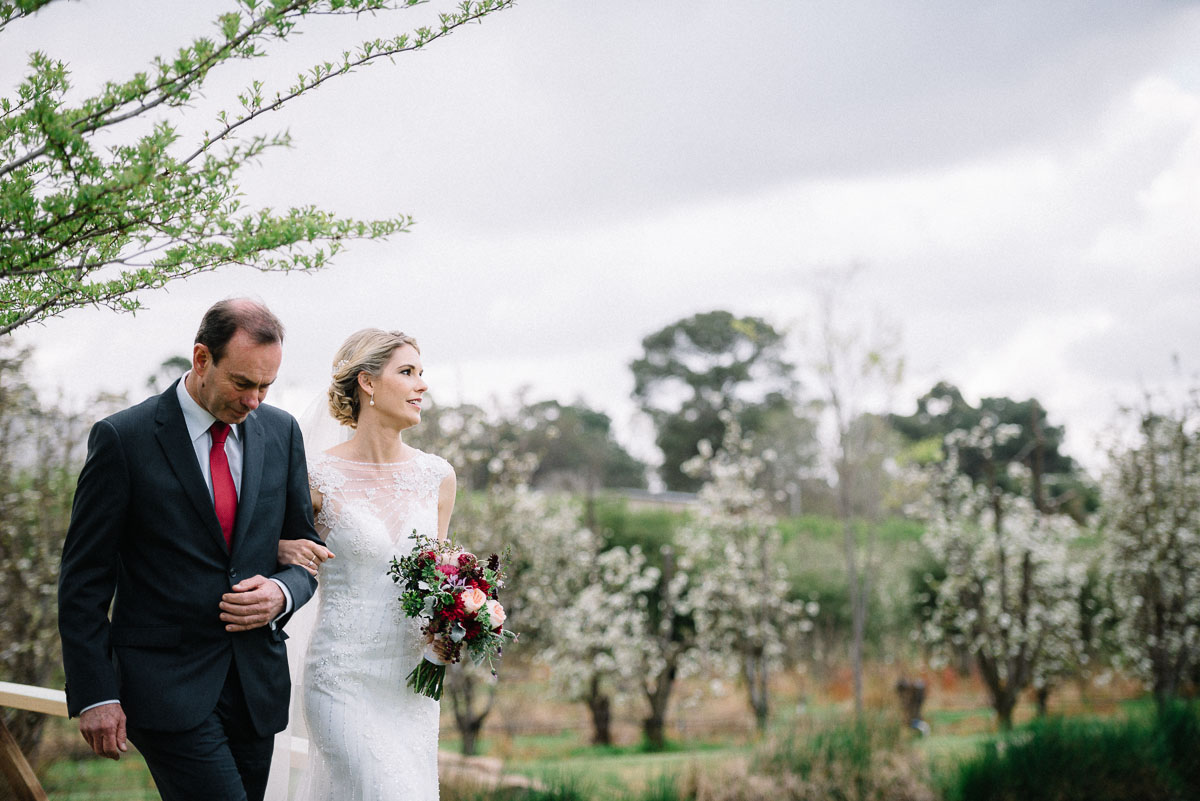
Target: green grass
(823, 529)
(95, 779)
(614, 771)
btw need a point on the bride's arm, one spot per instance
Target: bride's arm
(446, 492)
(309, 555)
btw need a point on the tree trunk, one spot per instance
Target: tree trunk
(658, 692)
(1004, 702)
(1038, 466)
(1003, 691)
(461, 686)
(857, 607)
(1043, 700)
(600, 705)
(754, 671)
(470, 736)
(655, 724)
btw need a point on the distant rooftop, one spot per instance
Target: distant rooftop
(663, 498)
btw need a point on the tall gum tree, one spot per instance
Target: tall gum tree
(694, 369)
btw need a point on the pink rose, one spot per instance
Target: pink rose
(473, 600)
(496, 614)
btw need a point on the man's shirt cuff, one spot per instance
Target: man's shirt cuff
(101, 703)
(287, 601)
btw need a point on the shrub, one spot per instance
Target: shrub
(1146, 758)
(1178, 730)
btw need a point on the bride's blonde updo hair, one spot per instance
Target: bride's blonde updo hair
(365, 351)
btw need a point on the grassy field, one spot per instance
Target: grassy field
(711, 732)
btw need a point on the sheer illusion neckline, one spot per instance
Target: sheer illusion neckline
(417, 452)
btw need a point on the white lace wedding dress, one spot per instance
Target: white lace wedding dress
(371, 738)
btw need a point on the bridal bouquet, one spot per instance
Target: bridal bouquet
(455, 594)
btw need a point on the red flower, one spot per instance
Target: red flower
(447, 570)
(465, 559)
(455, 612)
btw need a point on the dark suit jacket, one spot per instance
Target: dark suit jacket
(143, 527)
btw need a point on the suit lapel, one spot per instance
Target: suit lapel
(252, 466)
(173, 436)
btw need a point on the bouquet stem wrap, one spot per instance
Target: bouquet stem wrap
(429, 676)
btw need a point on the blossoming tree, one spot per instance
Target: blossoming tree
(600, 634)
(744, 617)
(1010, 596)
(1152, 541)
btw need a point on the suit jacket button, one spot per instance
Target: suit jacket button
(233, 574)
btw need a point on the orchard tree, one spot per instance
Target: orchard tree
(670, 649)
(548, 562)
(599, 635)
(694, 368)
(744, 617)
(1010, 594)
(497, 512)
(1152, 540)
(102, 197)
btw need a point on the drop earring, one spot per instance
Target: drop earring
(372, 400)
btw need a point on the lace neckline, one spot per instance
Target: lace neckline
(417, 454)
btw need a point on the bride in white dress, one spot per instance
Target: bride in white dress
(371, 738)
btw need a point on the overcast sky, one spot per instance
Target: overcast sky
(1020, 181)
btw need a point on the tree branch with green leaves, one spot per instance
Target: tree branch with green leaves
(89, 225)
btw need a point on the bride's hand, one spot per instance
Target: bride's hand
(446, 649)
(306, 553)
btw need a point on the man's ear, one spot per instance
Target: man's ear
(201, 358)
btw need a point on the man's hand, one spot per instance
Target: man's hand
(254, 602)
(104, 729)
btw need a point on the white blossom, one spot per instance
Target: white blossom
(1152, 522)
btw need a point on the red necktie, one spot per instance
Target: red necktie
(224, 493)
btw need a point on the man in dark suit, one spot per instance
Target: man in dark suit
(178, 513)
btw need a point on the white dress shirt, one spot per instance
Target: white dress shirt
(199, 421)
